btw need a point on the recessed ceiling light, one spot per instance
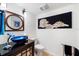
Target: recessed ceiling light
(44, 7)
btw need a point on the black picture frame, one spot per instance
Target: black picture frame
(64, 17)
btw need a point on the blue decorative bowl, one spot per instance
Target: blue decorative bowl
(19, 39)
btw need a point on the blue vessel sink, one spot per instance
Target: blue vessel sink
(19, 39)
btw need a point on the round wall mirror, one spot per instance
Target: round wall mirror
(14, 22)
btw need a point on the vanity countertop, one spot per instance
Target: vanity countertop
(13, 48)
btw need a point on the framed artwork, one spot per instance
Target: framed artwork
(13, 22)
(56, 22)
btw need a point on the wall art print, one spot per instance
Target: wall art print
(55, 22)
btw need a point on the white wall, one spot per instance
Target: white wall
(29, 22)
(53, 39)
(30, 25)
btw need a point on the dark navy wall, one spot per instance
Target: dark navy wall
(1, 22)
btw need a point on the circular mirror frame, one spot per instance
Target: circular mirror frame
(13, 29)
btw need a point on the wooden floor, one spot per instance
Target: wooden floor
(46, 53)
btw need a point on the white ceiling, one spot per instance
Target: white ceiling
(35, 7)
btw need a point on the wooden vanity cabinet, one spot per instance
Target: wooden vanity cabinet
(24, 50)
